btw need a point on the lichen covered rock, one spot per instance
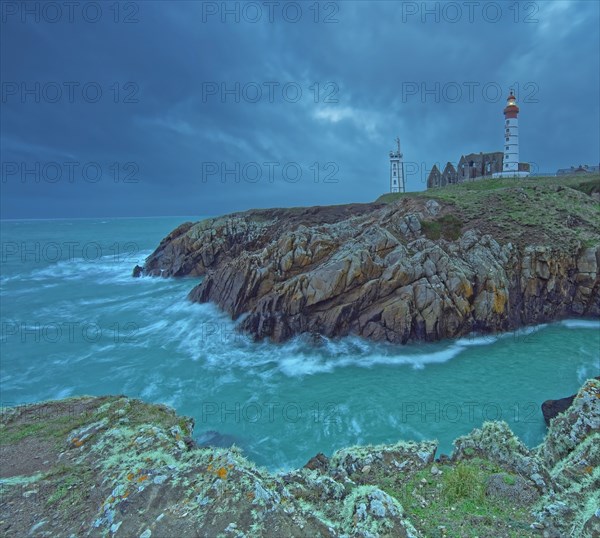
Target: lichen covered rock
(114, 466)
(361, 463)
(496, 441)
(571, 452)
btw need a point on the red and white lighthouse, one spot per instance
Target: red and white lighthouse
(510, 160)
(510, 165)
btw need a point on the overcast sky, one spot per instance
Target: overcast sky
(201, 108)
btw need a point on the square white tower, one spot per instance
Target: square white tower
(397, 170)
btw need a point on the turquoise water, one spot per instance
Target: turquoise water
(75, 322)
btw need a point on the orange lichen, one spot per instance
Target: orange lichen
(250, 495)
(130, 476)
(209, 468)
(589, 469)
(499, 302)
(465, 289)
(222, 473)
(77, 442)
(142, 478)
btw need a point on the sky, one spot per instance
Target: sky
(202, 108)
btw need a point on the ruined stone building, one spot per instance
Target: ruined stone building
(470, 168)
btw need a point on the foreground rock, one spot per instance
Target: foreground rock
(552, 408)
(115, 466)
(414, 269)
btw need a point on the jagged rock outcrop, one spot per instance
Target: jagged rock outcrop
(551, 408)
(371, 270)
(565, 468)
(114, 466)
(571, 453)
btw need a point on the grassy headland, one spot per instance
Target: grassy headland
(555, 210)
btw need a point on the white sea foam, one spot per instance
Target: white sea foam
(344, 353)
(63, 393)
(150, 390)
(581, 324)
(355, 427)
(102, 270)
(477, 340)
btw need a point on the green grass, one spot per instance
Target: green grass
(464, 482)
(537, 210)
(56, 428)
(16, 435)
(588, 184)
(589, 187)
(72, 485)
(458, 502)
(50, 428)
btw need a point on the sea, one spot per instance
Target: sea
(75, 322)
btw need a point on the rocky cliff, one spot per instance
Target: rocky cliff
(114, 466)
(488, 256)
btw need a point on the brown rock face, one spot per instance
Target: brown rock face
(369, 270)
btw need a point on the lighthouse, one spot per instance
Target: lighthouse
(396, 170)
(510, 159)
(510, 164)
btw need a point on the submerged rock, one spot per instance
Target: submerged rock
(320, 462)
(137, 271)
(214, 438)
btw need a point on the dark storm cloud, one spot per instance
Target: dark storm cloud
(384, 69)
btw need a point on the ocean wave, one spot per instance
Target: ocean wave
(301, 364)
(103, 270)
(581, 324)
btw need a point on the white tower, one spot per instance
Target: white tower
(397, 170)
(510, 160)
(510, 165)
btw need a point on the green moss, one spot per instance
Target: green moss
(20, 480)
(509, 479)
(448, 226)
(432, 229)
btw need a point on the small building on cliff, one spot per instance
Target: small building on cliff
(581, 169)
